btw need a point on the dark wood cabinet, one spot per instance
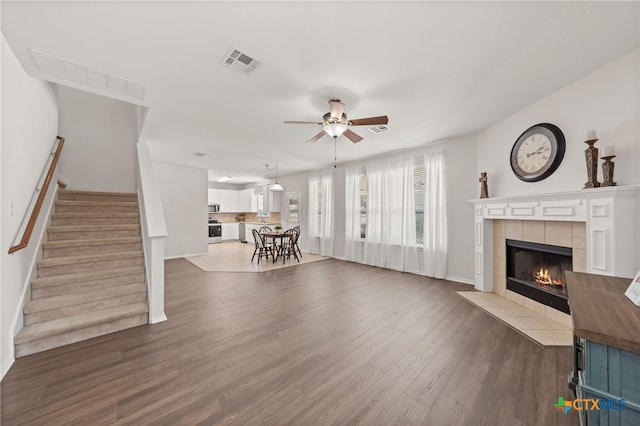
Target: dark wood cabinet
(606, 350)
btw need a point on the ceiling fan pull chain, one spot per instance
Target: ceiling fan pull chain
(335, 155)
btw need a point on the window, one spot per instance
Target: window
(363, 205)
(419, 195)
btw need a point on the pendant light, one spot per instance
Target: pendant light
(275, 187)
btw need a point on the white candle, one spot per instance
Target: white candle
(608, 151)
(591, 135)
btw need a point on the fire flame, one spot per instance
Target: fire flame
(544, 277)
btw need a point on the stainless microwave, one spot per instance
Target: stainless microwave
(214, 208)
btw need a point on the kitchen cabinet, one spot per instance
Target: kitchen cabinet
(213, 196)
(249, 227)
(230, 231)
(254, 203)
(225, 205)
(245, 197)
(274, 201)
(228, 199)
(245, 200)
(606, 329)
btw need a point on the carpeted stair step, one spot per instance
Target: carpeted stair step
(71, 264)
(62, 248)
(55, 307)
(91, 278)
(81, 281)
(101, 218)
(70, 206)
(86, 232)
(74, 195)
(63, 331)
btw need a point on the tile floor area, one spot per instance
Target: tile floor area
(537, 327)
(234, 256)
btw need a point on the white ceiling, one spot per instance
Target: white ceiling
(437, 69)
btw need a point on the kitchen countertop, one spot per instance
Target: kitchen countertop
(250, 223)
(601, 312)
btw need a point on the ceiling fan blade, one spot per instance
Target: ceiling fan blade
(352, 136)
(369, 121)
(303, 122)
(336, 108)
(316, 137)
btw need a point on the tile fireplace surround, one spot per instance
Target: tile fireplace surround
(600, 225)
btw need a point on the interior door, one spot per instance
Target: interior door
(293, 209)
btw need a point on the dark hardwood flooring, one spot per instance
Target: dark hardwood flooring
(328, 342)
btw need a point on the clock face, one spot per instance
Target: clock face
(537, 153)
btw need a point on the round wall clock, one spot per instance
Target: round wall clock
(538, 152)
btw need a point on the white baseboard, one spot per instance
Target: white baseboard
(181, 256)
(6, 365)
(460, 280)
(157, 319)
(448, 277)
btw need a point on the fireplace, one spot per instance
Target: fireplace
(536, 271)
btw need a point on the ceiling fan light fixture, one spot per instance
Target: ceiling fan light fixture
(335, 130)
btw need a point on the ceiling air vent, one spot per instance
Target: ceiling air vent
(240, 61)
(198, 154)
(379, 129)
(65, 72)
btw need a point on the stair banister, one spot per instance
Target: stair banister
(154, 231)
(41, 192)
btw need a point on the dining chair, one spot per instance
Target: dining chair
(287, 248)
(295, 243)
(262, 249)
(264, 228)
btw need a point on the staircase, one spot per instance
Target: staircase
(91, 278)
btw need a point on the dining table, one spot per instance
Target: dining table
(274, 236)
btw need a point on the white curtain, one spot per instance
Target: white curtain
(435, 216)
(352, 215)
(321, 213)
(390, 240)
(391, 227)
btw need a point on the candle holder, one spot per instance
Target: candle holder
(591, 157)
(607, 171)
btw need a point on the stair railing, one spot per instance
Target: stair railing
(37, 199)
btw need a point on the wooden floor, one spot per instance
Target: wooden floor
(327, 342)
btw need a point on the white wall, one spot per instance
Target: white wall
(100, 147)
(605, 100)
(29, 129)
(462, 185)
(183, 191)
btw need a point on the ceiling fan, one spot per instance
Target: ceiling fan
(336, 124)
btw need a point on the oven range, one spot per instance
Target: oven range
(215, 231)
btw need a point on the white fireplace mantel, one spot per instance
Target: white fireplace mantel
(610, 213)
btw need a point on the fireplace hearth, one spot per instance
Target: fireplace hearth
(536, 271)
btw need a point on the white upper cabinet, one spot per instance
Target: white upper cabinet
(245, 200)
(214, 196)
(274, 201)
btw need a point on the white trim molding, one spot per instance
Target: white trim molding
(610, 213)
